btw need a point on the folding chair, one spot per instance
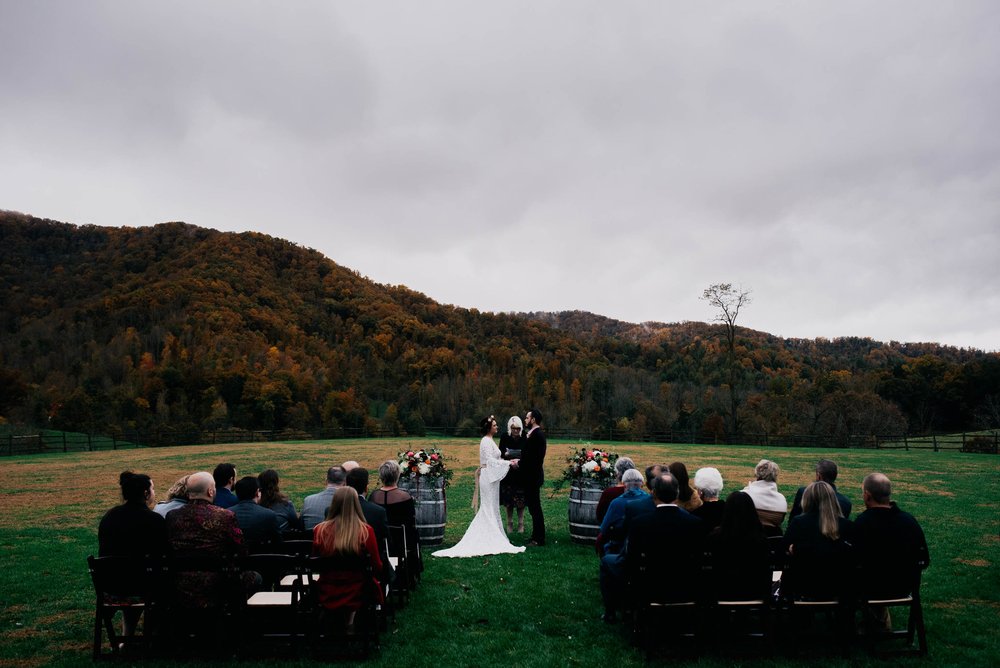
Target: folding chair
(130, 585)
(299, 547)
(874, 607)
(328, 629)
(803, 609)
(664, 614)
(273, 612)
(399, 549)
(207, 592)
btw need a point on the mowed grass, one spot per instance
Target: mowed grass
(540, 608)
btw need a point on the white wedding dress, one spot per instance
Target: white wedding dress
(486, 535)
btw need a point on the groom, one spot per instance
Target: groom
(530, 466)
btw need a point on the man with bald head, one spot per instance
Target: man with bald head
(201, 529)
(890, 544)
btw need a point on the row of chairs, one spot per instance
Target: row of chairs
(281, 603)
(796, 622)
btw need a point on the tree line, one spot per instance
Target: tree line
(182, 327)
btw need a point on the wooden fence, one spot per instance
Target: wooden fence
(44, 441)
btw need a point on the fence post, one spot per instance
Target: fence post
(10, 443)
(64, 441)
(906, 443)
(114, 442)
(90, 443)
(996, 442)
(963, 442)
(934, 441)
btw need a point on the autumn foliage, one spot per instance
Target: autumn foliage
(186, 327)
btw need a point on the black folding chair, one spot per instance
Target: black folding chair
(878, 623)
(132, 586)
(273, 612)
(329, 629)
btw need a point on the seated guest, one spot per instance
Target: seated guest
(132, 530)
(665, 546)
(176, 497)
(349, 465)
(225, 478)
(201, 529)
(646, 504)
(375, 517)
(818, 547)
(400, 510)
(708, 485)
(771, 505)
(826, 471)
(611, 536)
(315, 505)
(622, 464)
(272, 498)
(259, 525)
(739, 552)
(346, 533)
(890, 544)
(687, 498)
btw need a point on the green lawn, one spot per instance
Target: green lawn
(540, 608)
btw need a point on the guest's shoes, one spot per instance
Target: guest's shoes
(534, 543)
(520, 529)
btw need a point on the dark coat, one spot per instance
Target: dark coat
(532, 458)
(259, 524)
(891, 550)
(663, 554)
(131, 530)
(818, 567)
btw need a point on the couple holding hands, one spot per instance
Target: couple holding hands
(486, 534)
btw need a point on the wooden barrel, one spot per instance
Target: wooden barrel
(431, 507)
(583, 524)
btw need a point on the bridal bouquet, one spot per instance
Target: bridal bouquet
(428, 463)
(591, 465)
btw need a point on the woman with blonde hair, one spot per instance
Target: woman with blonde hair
(345, 533)
(819, 546)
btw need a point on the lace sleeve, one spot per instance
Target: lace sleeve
(494, 468)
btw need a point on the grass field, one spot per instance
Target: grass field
(540, 608)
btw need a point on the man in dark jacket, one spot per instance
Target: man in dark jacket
(260, 525)
(532, 474)
(890, 544)
(826, 471)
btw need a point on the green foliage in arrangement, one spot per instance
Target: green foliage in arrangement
(540, 608)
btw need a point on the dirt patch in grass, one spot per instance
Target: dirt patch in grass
(23, 663)
(923, 489)
(979, 563)
(965, 603)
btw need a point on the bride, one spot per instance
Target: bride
(486, 535)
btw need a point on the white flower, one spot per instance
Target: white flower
(590, 466)
(424, 468)
(597, 454)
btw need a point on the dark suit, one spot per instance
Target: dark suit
(662, 554)
(891, 550)
(845, 503)
(259, 525)
(532, 477)
(376, 518)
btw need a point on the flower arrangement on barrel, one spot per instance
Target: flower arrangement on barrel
(429, 463)
(590, 465)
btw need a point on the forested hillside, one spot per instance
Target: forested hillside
(191, 328)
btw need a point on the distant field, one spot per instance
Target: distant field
(540, 608)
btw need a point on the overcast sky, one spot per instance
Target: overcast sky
(841, 160)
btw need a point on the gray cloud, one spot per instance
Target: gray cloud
(840, 159)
